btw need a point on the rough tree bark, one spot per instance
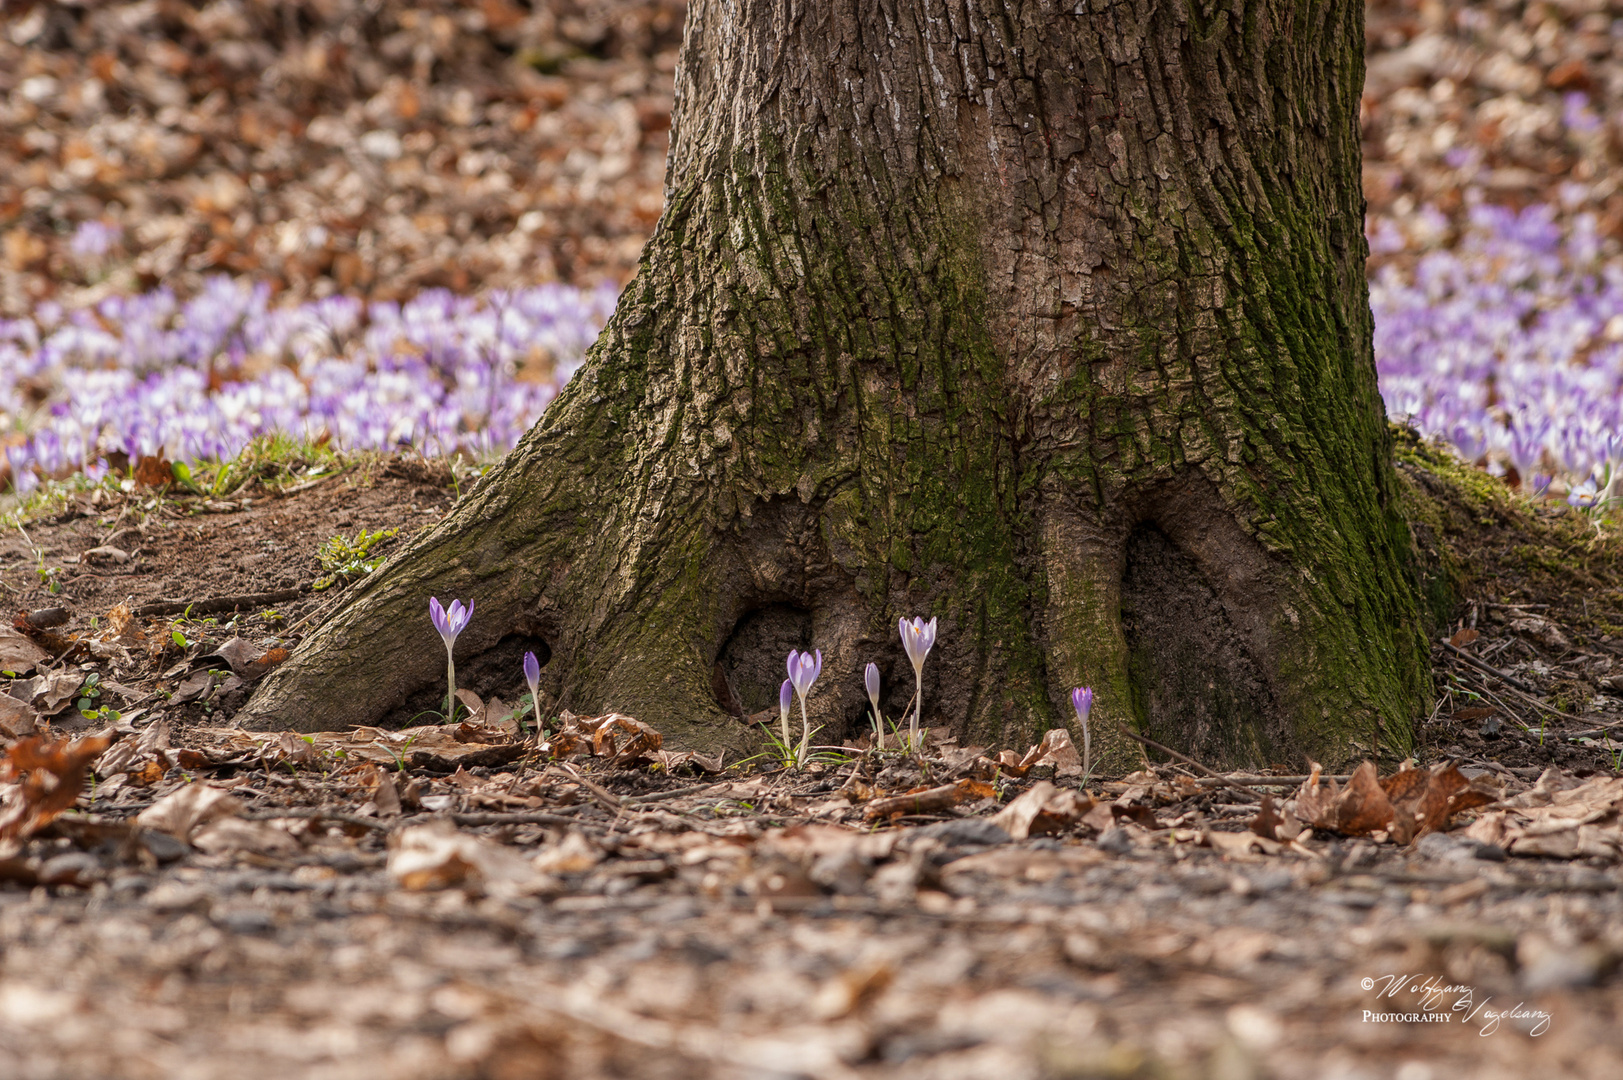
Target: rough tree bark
(1047, 320)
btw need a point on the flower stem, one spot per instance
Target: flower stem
(450, 678)
(805, 736)
(918, 710)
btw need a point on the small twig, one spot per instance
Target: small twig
(318, 814)
(1266, 781)
(218, 604)
(1508, 680)
(322, 610)
(609, 800)
(532, 818)
(1192, 763)
(660, 796)
(1592, 732)
(1529, 699)
(308, 484)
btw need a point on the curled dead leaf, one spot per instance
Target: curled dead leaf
(1043, 809)
(183, 811)
(1554, 820)
(42, 779)
(18, 653)
(153, 471)
(1404, 806)
(439, 856)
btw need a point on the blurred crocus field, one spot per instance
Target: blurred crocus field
(392, 227)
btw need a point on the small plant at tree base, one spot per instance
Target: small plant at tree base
(918, 638)
(803, 671)
(89, 703)
(346, 560)
(1082, 702)
(449, 623)
(532, 675)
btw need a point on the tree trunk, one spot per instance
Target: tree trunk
(1046, 321)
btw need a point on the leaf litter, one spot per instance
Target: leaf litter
(587, 901)
(214, 906)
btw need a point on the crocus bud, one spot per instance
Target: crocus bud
(870, 678)
(532, 675)
(1082, 702)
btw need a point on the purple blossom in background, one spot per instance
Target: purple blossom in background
(1577, 115)
(199, 380)
(870, 682)
(1584, 496)
(93, 239)
(1509, 346)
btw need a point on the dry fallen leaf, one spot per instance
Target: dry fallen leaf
(574, 854)
(182, 811)
(18, 653)
(153, 471)
(622, 739)
(671, 760)
(851, 990)
(1055, 749)
(233, 834)
(1406, 805)
(1556, 821)
(1042, 809)
(246, 660)
(1240, 845)
(1266, 823)
(16, 718)
(439, 856)
(42, 779)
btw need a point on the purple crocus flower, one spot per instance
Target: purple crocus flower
(918, 638)
(1082, 702)
(1584, 496)
(532, 675)
(803, 671)
(449, 623)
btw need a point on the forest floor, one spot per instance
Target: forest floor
(448, 901)
(453, 902)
